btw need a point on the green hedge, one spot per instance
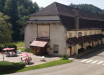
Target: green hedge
(28, 50)
(9, 67)
(10, 45)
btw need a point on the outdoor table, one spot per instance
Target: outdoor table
(9, 51)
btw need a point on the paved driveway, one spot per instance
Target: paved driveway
(92, 64)
(35, 59)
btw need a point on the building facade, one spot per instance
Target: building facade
(53, 31)
(80, 40)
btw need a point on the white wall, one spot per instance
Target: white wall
(44, 18)
(58, 36)
(30, 34)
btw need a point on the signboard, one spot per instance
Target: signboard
(43, 30)
(68, 35)
(79, 34)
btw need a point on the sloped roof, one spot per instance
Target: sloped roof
(60, 9)
(49, 10)
(67, 16)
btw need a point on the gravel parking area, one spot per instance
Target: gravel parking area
(35, 59)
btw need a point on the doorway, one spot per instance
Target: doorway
(39, 50)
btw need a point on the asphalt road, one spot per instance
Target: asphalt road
(91, 64)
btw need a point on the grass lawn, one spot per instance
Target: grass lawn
(48, 64)
(20, 45)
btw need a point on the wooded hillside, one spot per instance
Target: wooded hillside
(89, 7)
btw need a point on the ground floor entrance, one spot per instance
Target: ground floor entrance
(39, 46)
(39, 50)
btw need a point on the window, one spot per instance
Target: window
(70, 35)
(79, 34)
(43, 31)
(55, 48)
(95, 32)
(90, 33)
(85, 34)
(30, 42)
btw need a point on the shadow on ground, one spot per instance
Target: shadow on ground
(91, 54)
(96, 51)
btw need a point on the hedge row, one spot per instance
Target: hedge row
(9, 67)
(10, 45)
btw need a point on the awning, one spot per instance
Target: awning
(38, 43)
(42, 39)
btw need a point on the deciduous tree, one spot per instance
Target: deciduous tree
(5, 29)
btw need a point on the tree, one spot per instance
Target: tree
(19, 11)
(25, 8)
(5, 29)
(2, 5)
(8, 7)
(89, 7)
(103, 12)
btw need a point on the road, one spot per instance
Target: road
(91, 64)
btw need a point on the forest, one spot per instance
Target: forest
(13, 17)
(15, 13)
(89, 7)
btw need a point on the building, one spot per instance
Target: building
(59, 29)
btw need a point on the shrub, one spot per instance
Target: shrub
(28, 50)
(10, 45)
(10, 66)
(19, 65)
(1, 48)
(64, 57)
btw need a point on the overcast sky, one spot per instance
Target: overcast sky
(44, 3)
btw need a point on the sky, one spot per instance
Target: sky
(44, 3)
